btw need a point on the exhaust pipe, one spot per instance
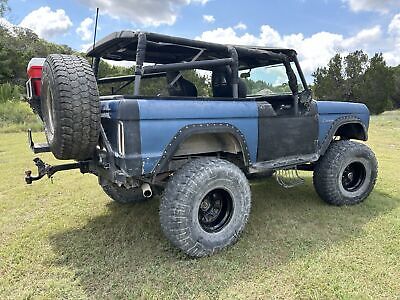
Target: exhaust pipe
(146, 189)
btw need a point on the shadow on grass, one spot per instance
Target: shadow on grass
(124, 253)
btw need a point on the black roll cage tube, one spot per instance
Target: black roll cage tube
(232, 61)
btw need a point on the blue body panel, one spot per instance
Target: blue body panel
(159, 120)
(329, 111)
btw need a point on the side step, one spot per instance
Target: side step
(288, 178)
(285, 162)
(37, 148)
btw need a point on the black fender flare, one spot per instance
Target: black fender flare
(189, 130)
(335, 126)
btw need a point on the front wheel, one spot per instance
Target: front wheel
(346, 174)
(205, 206)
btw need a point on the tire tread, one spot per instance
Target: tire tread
(77, 127)
(325, 172)
(175, 204)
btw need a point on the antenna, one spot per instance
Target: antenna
(95, 30)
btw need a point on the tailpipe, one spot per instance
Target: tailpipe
(146, 189)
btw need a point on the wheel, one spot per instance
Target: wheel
(205, 206)
(346, 174)
(70, 106)
(122, 195)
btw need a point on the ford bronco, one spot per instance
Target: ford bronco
(197, 151)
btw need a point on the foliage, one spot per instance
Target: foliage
(9, 92)
(200, 81)
(357, 78)
(257, 87)
(17, 47)
(18, 116)
(148, 86)
(329, 81)
(108, 70)
(396, 87)
(377, 86)
(356, 64)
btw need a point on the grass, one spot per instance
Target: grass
(66, 239)
(17, 116)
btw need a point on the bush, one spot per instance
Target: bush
(10, 92)
(18, 116)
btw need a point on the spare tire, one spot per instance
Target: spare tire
(70, 106)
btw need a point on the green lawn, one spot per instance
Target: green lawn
(66, 239)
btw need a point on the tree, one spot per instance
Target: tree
(378, 85)
(356, 64)
(359, 79)
(329, 80)
(255, 86)
(396, 89)
(20, 45)
(200, 81)
(148, 86)
(17, 48)
(5, 63)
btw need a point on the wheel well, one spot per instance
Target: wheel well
(352, 131)
(222, 144)
(201, 143)
(196, 140)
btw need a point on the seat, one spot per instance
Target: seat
(182, 87)
(222, 84)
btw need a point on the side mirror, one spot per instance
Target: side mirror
(305, 96)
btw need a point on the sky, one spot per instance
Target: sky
(316, 29)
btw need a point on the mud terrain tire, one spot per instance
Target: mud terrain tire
(70, 106)
(346, 174)
(205, 206)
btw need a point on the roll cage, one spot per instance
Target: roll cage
(163, 53)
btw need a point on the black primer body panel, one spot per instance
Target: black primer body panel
(286, 135)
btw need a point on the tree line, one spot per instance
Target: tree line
(19, 45)
(358, 78)
(352, 78)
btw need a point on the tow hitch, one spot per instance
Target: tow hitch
(49, 170)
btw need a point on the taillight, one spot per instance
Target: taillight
(34, 72)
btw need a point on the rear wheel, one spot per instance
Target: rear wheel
(70, 106)
(121, 194)
(205, 206)
(346, 174)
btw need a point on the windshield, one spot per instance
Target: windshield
(270, 80)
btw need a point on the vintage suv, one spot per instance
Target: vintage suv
(197, 151)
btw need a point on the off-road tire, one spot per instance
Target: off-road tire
(330, 170)
(70, 106)
(121, 194)
(187, 189)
